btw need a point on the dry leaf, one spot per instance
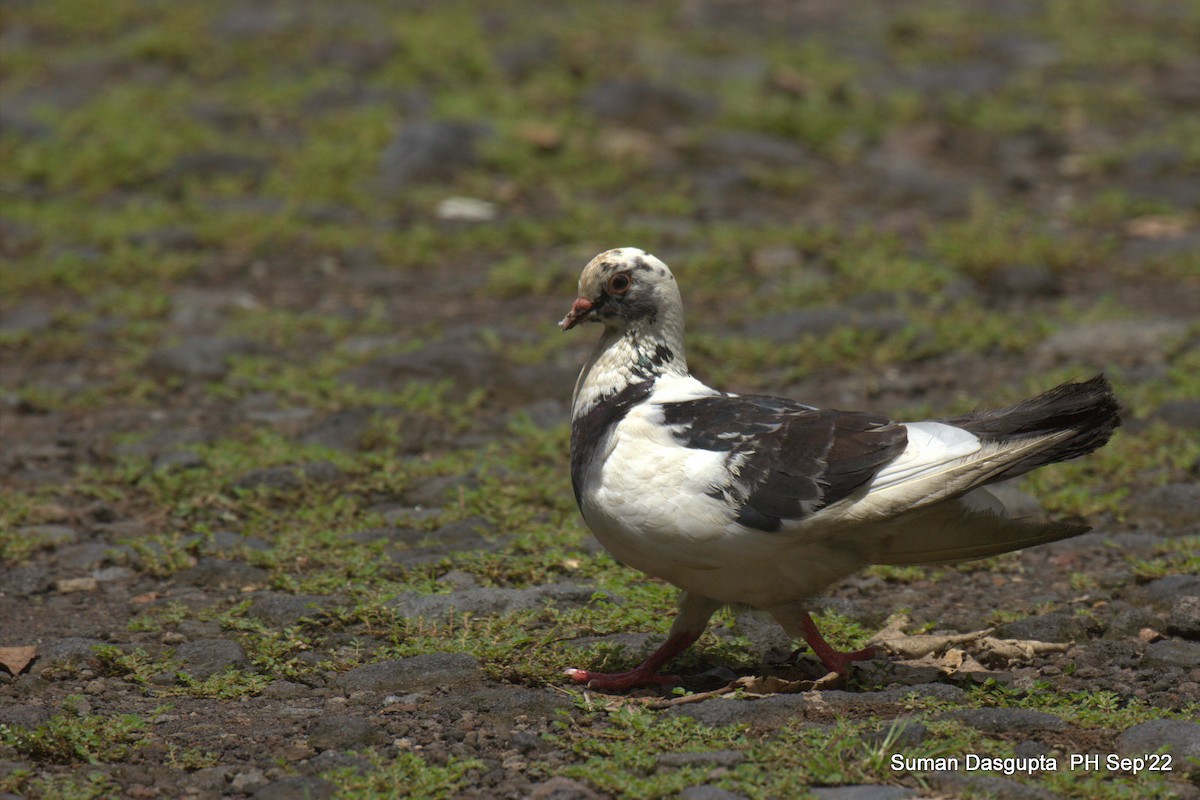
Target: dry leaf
(16, 659)
(894, 639)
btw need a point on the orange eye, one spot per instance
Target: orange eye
(620, 283)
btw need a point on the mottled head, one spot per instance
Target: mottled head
(623, 288)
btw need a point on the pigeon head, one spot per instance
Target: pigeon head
(622, 288)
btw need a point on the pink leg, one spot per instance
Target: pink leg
(645, 674)
(834, 660)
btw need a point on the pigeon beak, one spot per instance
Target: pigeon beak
(579, 311)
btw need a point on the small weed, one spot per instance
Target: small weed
(72, 737)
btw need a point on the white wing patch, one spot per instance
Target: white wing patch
(931, 446)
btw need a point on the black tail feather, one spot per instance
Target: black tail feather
(1088, 409)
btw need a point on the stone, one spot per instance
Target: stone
(204, 658)
(487, 601)
(289, 477)
(1008, 720)
(981, 785)
(48, 536)
(864, 792)
(27, 579)
(218, 573)
(1179, 737)
(1057, 626)
(1180, 414)
(1123, 342)
(1184, 619)
(69, 649)
(418, 673)
(560, 788)
(429, 151)
(1173, 653)
(1172, 504)
(281, 609)
(646, 105)
(344, 732)
(296, 787)
(197, 358)
(709, 792)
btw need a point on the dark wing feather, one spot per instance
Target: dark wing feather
(786, 460)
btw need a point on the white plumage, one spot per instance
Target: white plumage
(765, 502)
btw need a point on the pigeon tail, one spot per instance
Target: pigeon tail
(1074, 419)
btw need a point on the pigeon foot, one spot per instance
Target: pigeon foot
(644, 674)
(833, 659)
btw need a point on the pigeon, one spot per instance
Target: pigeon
(764, 502)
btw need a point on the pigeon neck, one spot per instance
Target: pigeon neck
(623, 358)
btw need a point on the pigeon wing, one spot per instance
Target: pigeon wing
(784, 460)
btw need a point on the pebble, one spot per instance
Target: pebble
(280, 609)
(1172, 653)
(344, 732)
(1184, 619)
(429, 151)
(203, 658)
(1008, 720)
(864, 792)
(1120, 342)
(1181, 738)
(454, 670)
(197, 358)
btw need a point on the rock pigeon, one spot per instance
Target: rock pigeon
(764, 502)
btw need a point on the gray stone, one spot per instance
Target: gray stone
(864, 792)
(560, 788)
(26, 580)
(1057, 626)
(1171, 504)
(1173, 653)
(113, 574)
(281, 609)
(207, 164)
(501, 704)
(87, 556)
(490, 601)
(709, 792)
(25, 320)
(288, 478)
(344, 732)
(646, 105)
(418, 673)
(296, 787)
(1180, 414)
(1008, 720)
(69, 649)
(980, 785)
(49, 536)
(1025, 280)
(203, 658)
(900, 733)
(218, 573)
(1169, 588)
(178, 461)
(429, 150)
(1179, 737)
(1185, 618)
(197, 358)
(791, 325)
(1124, 342)
(286, 690)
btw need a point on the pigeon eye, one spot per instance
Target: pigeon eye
(620, 283)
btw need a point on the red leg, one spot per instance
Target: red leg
(645, 674)
(834, 660)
